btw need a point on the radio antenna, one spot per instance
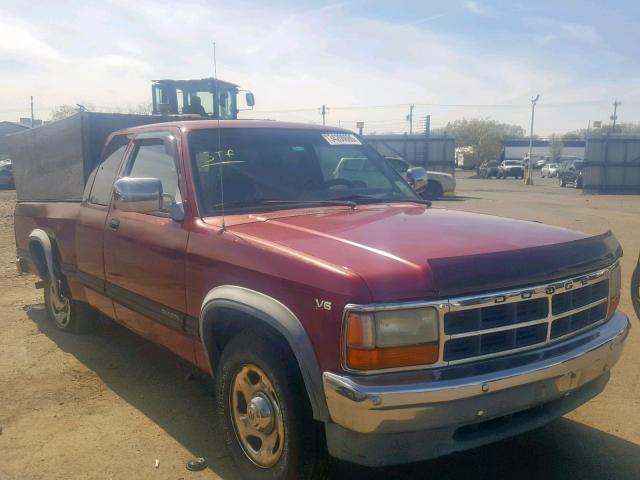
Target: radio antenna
(216, 112)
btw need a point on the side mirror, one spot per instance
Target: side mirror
(141, 195)
(251, 101)
(417, 177)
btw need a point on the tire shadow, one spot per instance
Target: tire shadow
(153, 380)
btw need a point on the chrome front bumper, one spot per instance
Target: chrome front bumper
(456, 396)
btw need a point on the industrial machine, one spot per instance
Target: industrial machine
(208, 97)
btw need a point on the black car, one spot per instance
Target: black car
(571, 174)
(489, 169)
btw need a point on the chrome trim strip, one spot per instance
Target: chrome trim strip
(425, 400)
(470, 302)
(511, 326)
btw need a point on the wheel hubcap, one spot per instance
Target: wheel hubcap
(59, 306)
(256, 416)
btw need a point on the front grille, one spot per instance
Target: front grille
(490, 325)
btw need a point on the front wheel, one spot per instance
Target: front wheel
(635, 290)
(264, 414)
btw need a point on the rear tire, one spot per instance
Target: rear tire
(561, 182)
(66, 314)
(264, 414)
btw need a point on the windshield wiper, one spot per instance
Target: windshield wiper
(254, 202)
(364, 199)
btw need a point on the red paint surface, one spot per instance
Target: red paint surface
(374, 253)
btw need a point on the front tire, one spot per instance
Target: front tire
(635, 290)
(65, 313)
(262, 409)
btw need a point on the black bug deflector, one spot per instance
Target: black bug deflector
(468, 274)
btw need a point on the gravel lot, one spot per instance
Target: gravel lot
(107, 405)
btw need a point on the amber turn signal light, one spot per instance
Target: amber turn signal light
(392, 357)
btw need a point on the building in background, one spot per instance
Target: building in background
(27, 122)
(518, 149)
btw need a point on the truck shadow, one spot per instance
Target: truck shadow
(160, 385)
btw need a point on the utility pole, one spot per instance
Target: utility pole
(323, 112)
(614, 117)
(31, 111)
(410, 118)
(586, 140)
(427, 135)
(528, 180)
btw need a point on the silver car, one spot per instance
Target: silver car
(549, 170)
(6, 173)
(438, 183)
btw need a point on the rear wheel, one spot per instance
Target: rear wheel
(264, 414)
(65, 313)
(561, 182)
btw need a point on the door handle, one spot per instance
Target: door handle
(114, 224)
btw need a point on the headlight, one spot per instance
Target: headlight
(614, 289)
(391, 338)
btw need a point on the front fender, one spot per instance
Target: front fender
(276, 315)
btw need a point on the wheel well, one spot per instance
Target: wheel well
(435, 186)
(222, 324)
(39, 259)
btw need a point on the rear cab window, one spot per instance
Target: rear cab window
(103, 176)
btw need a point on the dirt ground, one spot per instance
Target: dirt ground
(107, 405)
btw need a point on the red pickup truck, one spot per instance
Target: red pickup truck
(339, 317)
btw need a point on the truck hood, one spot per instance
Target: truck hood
(402, 251)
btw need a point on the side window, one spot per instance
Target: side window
(151, 160)
(105, 173)
(398, 166)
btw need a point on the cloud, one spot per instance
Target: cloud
(583, 33)
(294, 59)
(21, 41)
(429, 18)
(475, 8)
(544, 39)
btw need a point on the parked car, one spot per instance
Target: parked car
(6, 173)
(549, 170)
(338, 316)
(511, 168)
(489, 169)
(438, 183)
(571, 173)
(635, 289)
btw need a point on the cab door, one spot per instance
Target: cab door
(91, 222)
(144, 253)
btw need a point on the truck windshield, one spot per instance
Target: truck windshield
(266, 169)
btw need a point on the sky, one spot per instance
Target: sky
(365, 60)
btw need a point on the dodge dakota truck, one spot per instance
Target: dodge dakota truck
(340, 317)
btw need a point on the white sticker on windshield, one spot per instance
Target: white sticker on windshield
(341, 139)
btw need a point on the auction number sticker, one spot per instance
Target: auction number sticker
(341, 139)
